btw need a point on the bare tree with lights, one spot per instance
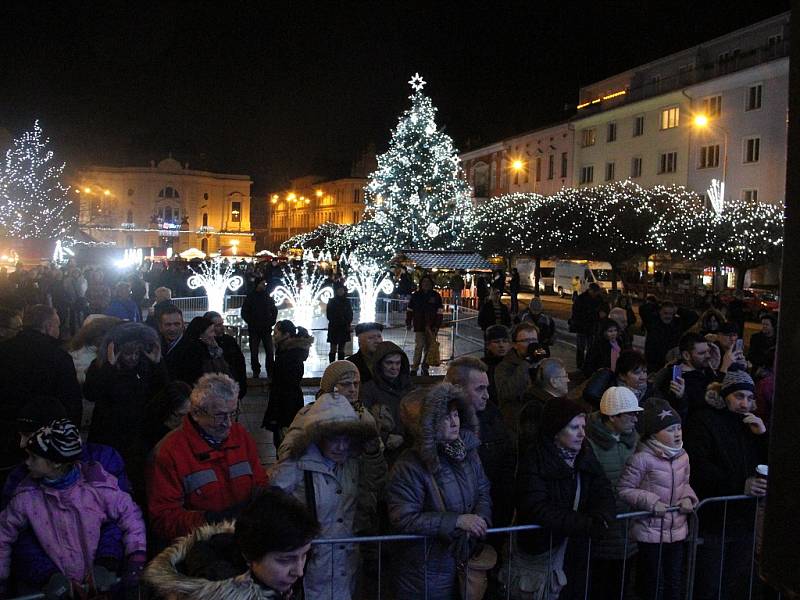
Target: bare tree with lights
(215, 278)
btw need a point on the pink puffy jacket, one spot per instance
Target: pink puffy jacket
(648, 478)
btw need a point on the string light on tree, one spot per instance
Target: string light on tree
(33, 201)
(215, 277)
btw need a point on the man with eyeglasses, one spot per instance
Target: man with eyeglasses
(206, 470)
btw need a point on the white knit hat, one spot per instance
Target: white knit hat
(618, 400)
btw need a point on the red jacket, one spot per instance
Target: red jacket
(188, 477)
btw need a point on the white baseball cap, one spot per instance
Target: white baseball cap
(618, 400)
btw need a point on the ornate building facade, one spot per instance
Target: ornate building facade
(166, 205)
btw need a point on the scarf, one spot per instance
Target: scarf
(211, 441)
(662, 450)
(63, 482)
(455, 449)
(567, 454)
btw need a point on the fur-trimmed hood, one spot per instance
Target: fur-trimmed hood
(125, 333)
(331, 415)
(714, 396)
(164, 575)
(433, 409)
(300, 342)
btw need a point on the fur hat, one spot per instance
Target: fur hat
(365, 327)
(619, 316)
(333, 374)
(658, 415)
(126, 333)
(497, 332)
(58, 441)
(433, 409)
(556, 414)
(332, 415)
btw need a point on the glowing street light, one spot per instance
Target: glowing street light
(517, 165)
(318, 193)
(701, 120)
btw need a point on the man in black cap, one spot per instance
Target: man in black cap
(497, 345)
(260, 313)
(369, 336)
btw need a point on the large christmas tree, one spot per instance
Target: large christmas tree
(33, 201)
(418, 197)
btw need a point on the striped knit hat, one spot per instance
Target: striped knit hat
(60, 441)
(735, 380)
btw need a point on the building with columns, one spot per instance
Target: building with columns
(166, 205)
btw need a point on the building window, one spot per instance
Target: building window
(168, 192)
(204, 245)
(610, 171)
(670, 117)
(356, 196)
(588, 137)
(551, 166)
(129, 218)
(636, 167)
(587, 174)
(205, 219)
(752, 149)
(169, 214)
(355, 216)
(638, 126)
(753, 101)
(129, 241)
(712, 106)
(236, 212)
(668, 162)
(611, 132)
(538, 170)
(750, 195)
(563, 165)
(709, 157)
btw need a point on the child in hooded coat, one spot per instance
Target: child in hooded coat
(657, 477)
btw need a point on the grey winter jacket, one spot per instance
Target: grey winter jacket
(414, 507)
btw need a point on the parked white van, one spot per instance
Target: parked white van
(527, 273)
(586, 272)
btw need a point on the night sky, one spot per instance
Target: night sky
(281, 89)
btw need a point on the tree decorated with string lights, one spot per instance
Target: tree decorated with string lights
(33, 201)
(418, 197)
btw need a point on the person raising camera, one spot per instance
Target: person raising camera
(515, 372)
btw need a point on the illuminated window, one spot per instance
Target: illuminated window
(668, 162)
(236, 212)
(752, 149)
(587, 174)
(670, 117)
(753, 101)
(588, 137)
(708, 157)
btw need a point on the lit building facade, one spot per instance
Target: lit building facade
(715, 111)
(166, 206)
(311, 201)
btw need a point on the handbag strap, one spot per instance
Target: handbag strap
(438, 499)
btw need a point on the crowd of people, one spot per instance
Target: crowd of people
(125, 468)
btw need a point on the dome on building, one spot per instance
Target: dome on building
(169, 164)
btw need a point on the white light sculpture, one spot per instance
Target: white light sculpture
(716, 194)
(368, 278)
(304, 295)
(215, 279)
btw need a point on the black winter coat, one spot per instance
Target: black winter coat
(364, 369)
(545, 494)
(235, 360)
(190, 360)
(120, 397)
(487, 316)
(662, 337)
(499, 463)
(584, 314)
(32, 363)
(259, 310)
(723, 453)
(759, 349)
(340, 317)
(285, 391)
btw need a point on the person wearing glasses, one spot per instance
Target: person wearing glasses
(207, 469)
